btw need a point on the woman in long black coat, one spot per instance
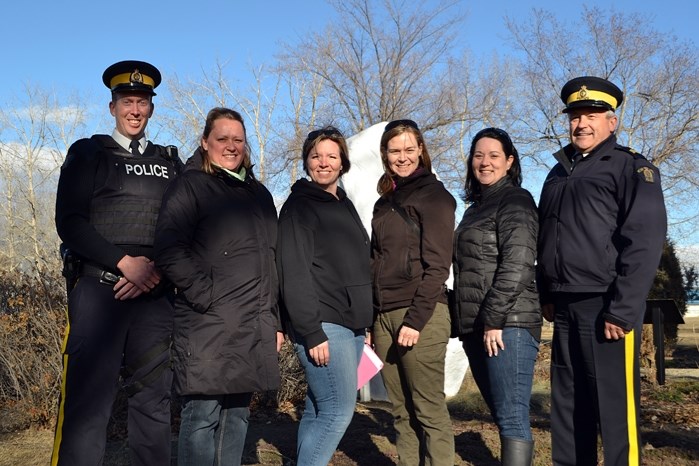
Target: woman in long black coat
(215, 240)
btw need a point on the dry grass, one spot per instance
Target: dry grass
(670, 425)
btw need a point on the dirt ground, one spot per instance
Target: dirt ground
(669, 427)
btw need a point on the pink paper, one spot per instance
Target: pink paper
(369, 366)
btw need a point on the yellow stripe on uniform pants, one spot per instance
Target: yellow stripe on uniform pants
(59, 423)
(629, 351)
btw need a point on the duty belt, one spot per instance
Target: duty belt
(106, 277)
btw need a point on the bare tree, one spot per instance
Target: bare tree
(185, 111)
(301, 114)
(37, 131)
(383, 60)
(398, 59)
(379, 61)
(657, 72)
(8, 257)
(181, 115)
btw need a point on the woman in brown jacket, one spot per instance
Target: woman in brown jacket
(412, 234)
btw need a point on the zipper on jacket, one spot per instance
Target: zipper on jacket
(556, 258)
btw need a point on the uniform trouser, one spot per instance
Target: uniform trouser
(414, 380)
(594, 382)
(102, 335)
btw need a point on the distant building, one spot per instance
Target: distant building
(692, 309)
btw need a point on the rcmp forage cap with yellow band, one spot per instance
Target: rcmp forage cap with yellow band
(132, 76)
(590, 91)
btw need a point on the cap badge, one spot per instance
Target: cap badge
(647, 174)
(136, 77)
(583, 92)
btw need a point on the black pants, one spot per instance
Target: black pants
(594, 382)
(102, 335)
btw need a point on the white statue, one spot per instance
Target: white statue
(360, 185)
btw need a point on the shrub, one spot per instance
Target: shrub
(292, 390)
(32, 320)
(32, 325)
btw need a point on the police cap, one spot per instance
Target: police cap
(590, 91)
(131, 76)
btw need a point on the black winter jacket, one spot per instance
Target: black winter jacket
(602, 228)
(494, 254)
(323, 263)
(215, 240)
(409, 268)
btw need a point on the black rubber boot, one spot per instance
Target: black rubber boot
(516, 452)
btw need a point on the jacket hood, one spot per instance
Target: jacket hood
(195, 161)
(309, 189)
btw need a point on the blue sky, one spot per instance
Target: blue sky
(66, 44)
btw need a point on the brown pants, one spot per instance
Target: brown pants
(414, 380)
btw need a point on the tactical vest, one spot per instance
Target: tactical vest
(124, 210)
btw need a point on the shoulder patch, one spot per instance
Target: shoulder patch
(647, 173)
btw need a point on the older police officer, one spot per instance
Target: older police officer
(602, 226)
(119, 311)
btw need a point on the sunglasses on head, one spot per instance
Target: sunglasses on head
(323, 132)
(497, 131)
(397, 123)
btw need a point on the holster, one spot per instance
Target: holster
(71, 267)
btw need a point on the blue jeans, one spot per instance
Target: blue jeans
(331, 396)
(213, 429)
(505, 380)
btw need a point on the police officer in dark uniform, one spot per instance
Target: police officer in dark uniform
(120, 313)
(602, 226)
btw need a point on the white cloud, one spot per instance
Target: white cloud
(15, 156)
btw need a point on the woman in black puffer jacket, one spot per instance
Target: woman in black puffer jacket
(495, 309)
